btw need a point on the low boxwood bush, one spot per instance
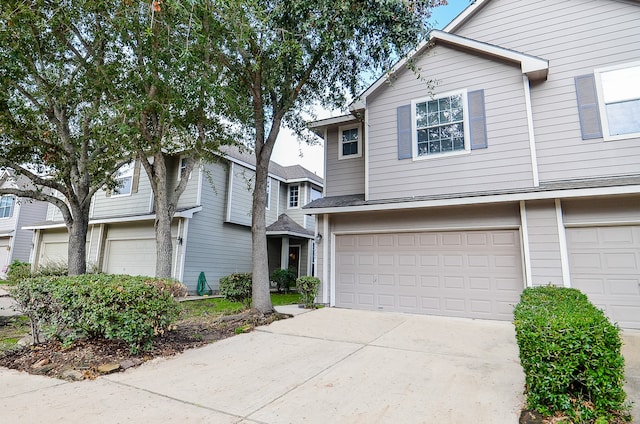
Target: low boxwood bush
(18, 271)
(120, 307)
(236, 287)
(570, 353)
(284, 279)
(308, 288)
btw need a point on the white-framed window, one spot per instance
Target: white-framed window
(440, 125)
(294, 196)
(618, 90)
(349, 141)
(6, 206)
(315, 194)
(124, 178)
(268, 192)
(183, 166)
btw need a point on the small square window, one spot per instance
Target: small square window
(350, 141)
(619, 100)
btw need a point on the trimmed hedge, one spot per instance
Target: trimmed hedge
(237, 287)
(121, 307)
(570, 353)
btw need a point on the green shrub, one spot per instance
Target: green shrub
(119, 307)
(18, 271)
(53, 269)
(308, 288)
(570, 354)
(284, 279)
(236, 287)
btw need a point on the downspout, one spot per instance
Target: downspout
(532, 137)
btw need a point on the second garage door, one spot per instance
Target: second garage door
(605, 264)
(132, 257)
(475, 274)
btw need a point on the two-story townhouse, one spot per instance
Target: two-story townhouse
(211, 229)
(517, 165)
(15, 243)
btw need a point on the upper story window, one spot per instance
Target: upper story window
(350, 141)
(619, 100)
(124, 178)
(315, 194)
(268, 192)
(439, 125)
(183, 167)
(294, 196)
(6, 206)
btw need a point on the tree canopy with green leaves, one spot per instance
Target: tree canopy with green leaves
(283, 57)
(88, 85)
(55, 119)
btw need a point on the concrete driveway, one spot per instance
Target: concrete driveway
(326, 366)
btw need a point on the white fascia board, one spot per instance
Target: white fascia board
(478, 200)
(465, 15)
(188, 213)
(321, 123)
(532, 66)
(289, 233)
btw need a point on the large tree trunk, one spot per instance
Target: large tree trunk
(164, 216)
(261, 291)
(77, 253)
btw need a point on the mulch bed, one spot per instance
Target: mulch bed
(88, 359)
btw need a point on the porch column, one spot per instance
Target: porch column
(284, 253)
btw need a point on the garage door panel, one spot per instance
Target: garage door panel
(459, 273)
(605, 265)
(132, 257)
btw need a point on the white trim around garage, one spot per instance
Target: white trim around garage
(479, 200)
(526, 252)
(325, 260)
(564, 252)
(333, 270)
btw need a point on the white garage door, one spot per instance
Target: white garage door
(5, 255)
(133, 257)
(54, 253)
(474, 274)
(605, 264)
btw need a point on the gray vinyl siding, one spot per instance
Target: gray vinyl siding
(454, 218)
(134, 204)
(579, 36)
(189, 197)
(29, 212)
(296, 213)
(213, 246)
(344, 176)
(241, 195)
(603, 211)
(505, 164)
(271, 214)
(544, 243)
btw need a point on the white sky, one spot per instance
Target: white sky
(288, 151)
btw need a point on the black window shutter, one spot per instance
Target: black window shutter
(477, 120)
(588, 112)
(405, 139)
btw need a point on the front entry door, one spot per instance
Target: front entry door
(294, 259)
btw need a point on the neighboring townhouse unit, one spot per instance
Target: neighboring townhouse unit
(518, 166)
(211, 228)
(15, 243)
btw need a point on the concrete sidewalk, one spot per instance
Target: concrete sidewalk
(325, 366)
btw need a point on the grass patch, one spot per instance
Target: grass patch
(12, 329)
(278, 299)
(221, 306)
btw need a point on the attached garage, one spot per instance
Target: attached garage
(130, 249)
(54, 249)
(604, 262)
(475, 274)
(132, 257)
(5, 254)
